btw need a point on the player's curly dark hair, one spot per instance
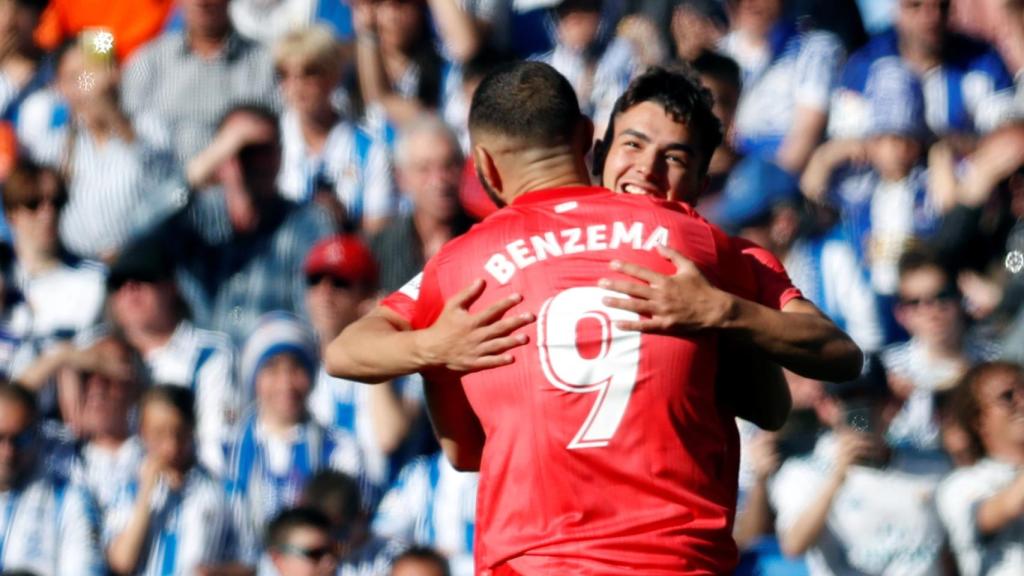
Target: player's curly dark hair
(678, 90)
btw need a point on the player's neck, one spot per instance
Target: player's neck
(548, 173)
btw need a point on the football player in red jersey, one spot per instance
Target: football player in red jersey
(650, 437)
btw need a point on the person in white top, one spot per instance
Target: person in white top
(854, 505)
(341, 276)
(982, 506)
(47, 525)
(171, 517)
(146, 306)
(325, 156)
(64, 295)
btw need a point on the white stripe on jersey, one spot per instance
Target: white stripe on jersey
(196, 525)
(50, 527)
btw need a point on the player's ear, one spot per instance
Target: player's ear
(486, 169)
(584, 134)
(600, 153)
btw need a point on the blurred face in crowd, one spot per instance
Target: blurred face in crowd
(923, 24)
(252, 173)
(333, 303)
(17, 442)
(34, 222)
(206, 17)
(282, 386)
(306, 86)
(307, 551)
(577, 29)
(430, 175)
(758, 16)
(416, 567)
(399, 23)
(653, 154)
(693, 33)
(1000, 398)
(727, 97)
(17, 23)
(145, 306)
(929, 306)
(107, 401)
(893, 156)
(167, 435)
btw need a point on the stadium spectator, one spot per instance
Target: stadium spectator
(762, 202)
(171, 517)
(188, 80)
(981, 505)
(721, 76)
(880, 184)
(967, 89)
(788, 77)
(939, 351)
(107, 453)
(21, 68)
(696, 27)
(434, 505)
(598, 67)
(854, 504)
(326, 157)
(385, 419)
(145, 306)
(361, 552)
(239, 249)
(429, 169)
(63, 294)
(299, 543)
(279, 446)
(50, 525)
(400, 71)
(120, 177)
(420, 561)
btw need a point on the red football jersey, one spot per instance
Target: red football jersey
(606, 450)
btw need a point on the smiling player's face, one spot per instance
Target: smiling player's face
(653, 154)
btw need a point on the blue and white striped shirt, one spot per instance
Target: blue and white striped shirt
(433, 505)
(189, 528)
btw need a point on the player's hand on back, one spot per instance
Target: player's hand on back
(682, 303)
(462, 341)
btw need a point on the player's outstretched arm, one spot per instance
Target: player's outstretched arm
(382, 345)
(799, 337)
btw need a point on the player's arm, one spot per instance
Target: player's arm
(457, 428)
(752, 385)
(798, 337)
(383, 345)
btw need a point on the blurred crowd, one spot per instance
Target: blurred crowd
(200, 195)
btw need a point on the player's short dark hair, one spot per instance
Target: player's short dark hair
(720, 67)
(568, 6)
(528, 101)
(964, 402)
(678, 90)
(261, 111)
(289, 519)
(334, 493)
(179, 398)
(425, 554)
(22, 184)
(14, 392)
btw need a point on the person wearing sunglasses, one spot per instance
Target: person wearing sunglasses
(299, 543)
(47, 525)
(145, 305)
(341, 279)
(940, 349)
(63, 294)
(982, 506)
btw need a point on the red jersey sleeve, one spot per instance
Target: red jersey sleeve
(774, 288)
(429, 301)
(403, 300)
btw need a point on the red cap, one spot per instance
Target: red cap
(342, 257)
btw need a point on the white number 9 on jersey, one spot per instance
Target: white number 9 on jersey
(610, 371)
